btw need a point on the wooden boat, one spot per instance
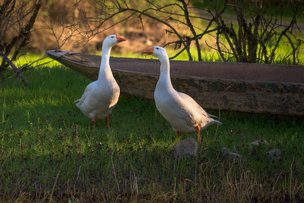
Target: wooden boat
(273, 89)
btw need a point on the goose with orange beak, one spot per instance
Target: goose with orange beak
(100, 97)
(182, 112)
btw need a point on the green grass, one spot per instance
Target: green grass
(213, 56)
(281, 53)
(49, 152)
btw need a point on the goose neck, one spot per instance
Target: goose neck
(164, 81)
(164, 65)
(105, 55)
(105, 70)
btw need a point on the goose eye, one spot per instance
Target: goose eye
(112, 37)
(157, 48)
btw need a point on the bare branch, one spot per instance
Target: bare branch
(17, 21)
(219, 48)
(16, 70)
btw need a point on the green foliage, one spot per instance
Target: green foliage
(49, 151)
(272, 6)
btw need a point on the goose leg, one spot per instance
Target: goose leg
(198, 128)
(177, 134)
(107, 121)
(93, 123)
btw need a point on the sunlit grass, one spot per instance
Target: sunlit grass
(280, 58)
(283, 50)
(35, 60)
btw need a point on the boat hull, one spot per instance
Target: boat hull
(256, 88)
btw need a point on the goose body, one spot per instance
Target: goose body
(182, 112)
(100, 97)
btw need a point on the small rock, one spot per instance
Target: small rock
(186, 147)
(225, 151)
(274, 154)
(232, 155)
(236, 155)
(258, 142)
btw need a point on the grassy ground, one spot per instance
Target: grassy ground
(49, 152)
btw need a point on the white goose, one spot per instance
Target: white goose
(179, 109)
(101, 96)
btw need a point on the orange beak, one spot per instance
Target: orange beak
(149, 51)
(120, 39)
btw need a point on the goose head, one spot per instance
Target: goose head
(156, 51)
(113, 40)
(162, 56)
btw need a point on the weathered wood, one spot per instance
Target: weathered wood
(274, 89)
